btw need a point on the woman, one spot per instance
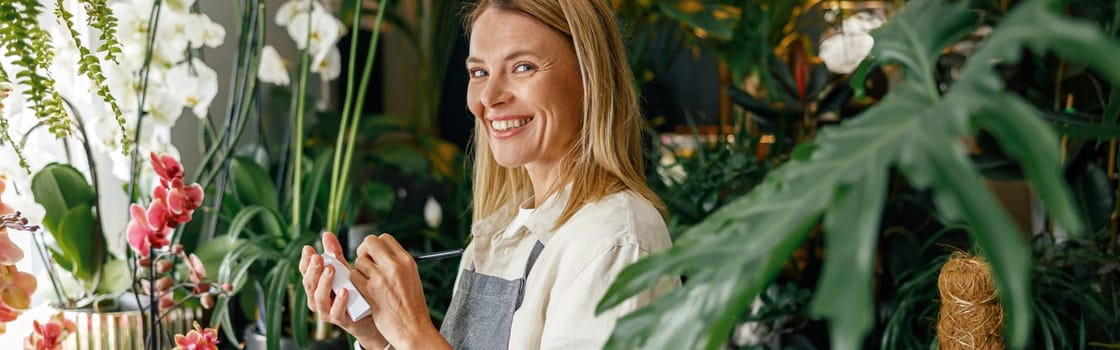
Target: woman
(560, 201)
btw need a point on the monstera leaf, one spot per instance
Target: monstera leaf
(737, 251)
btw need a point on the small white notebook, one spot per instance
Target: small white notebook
(355, 304)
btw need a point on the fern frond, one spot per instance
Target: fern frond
(31, 48)
(101, 18)
(89, 65)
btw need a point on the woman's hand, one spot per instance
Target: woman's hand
(317, 280)
(386, 275)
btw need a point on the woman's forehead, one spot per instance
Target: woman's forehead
(499, 33)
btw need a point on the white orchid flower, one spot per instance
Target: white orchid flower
(196, 84)
(289, 10)
(164, 107)
(330, 67)
(180, 5)
(843, 52)
(202, 31)
(273, 69)
(325, 30)
(861, 23)
(433, 213)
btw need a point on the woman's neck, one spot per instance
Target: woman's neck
(543, 177)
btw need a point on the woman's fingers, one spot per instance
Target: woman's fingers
(323, 291)
(311, 277)
(305, 258)
(338, 313)
(395, 247)
(331, 245)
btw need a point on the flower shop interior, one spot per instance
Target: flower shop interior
(836, 174)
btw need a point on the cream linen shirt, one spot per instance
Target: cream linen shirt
(579, 262)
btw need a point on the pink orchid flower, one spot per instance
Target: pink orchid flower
(9, 251)
(196, 269)
(166, 167)
(148, 229)
(16, 287)
(181, 200)
(197, 339)
(49, 336)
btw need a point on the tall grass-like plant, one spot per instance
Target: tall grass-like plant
(733, 254)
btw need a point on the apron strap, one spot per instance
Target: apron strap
(537, 248)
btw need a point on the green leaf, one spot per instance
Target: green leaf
(275, 295)
(75, 237)
(60, 188)
(1094, 197)
(919, 31)
(715, 19)
(252, 185)
(404, 156)
(61, 259)
(851, 231)
(379, 196)
(115, 277)
(730, 256)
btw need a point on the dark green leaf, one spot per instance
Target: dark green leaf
(919, 31)
(378, 195)
(851, 230)
(60, 188)
(75, 237)
(252, 184)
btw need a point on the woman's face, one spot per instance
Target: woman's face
(524, 88)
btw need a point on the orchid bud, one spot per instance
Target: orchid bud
(177, 249)
(163, 266)
(227, 287)
(164, 283)
(207, 301)
(166, 302)
(144, 262)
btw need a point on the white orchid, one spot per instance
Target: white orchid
(202, 31)
(433, 213)
(196, 84)
(164, 107)
(273, 69)
(843, 52)
(289, 10)
(318, 36)
(330, 67)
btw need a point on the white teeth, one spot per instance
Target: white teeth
(503, 125)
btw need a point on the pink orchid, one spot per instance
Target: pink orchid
(148, 229)
(197, 339)
(16, 287)
(196, 269)
(166, 167)
(181, 200)
(7, 314)
(9, 251)
(49, 336)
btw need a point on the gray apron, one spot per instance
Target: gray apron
(481, 311)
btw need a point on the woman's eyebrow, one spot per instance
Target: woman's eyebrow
(510, 56)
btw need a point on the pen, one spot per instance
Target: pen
(438, 255)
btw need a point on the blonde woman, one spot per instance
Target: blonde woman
(560, 200)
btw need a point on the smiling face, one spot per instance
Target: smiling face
(524, 89)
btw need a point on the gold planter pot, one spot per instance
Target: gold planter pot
(124, 330)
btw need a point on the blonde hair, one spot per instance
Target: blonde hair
(607, 156)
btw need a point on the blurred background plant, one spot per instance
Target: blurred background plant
(785, 95)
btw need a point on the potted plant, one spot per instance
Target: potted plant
(837, 182)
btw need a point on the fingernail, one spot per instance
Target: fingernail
(330, 271)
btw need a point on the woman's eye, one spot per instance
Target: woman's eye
(477, 73)
(522, 67)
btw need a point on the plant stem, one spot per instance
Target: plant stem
(362, 86)
(98, 232)
(52, 272)
(332, 209)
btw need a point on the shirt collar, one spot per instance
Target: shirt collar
(540, 223)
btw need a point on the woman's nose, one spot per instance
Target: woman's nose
(495, 92)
